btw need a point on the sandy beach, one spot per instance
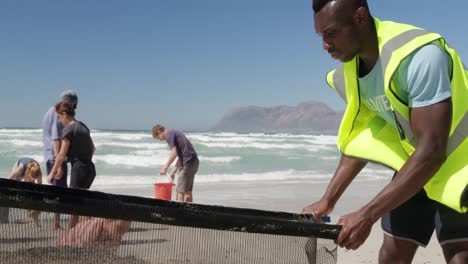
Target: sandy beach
(292, 197)
(154, 243)
(147, 243)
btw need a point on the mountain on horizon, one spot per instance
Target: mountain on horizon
(307, 117)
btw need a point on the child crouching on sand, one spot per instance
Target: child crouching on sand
(95, 232)
(27, 170)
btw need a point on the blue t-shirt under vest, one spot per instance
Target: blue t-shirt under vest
(421, 80)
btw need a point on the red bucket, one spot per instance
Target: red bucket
(163, 190)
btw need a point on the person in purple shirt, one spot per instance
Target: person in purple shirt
(187, 162)
(51, 139)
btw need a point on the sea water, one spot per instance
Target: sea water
(131, 160)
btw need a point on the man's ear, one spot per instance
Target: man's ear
(361, 16)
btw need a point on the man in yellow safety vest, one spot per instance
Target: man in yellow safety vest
(406, 92)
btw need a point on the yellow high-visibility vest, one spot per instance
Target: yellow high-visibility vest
(364, 135)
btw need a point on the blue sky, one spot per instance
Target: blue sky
(182, 63)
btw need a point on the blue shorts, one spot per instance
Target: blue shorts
(416, 219)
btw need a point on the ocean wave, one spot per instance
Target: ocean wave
(273, 176)
(7, 131)
(207, 138)
(316, 139)
(310, 147)
(134, 145)
(329, 158)
(108, 180)
(121, 136)
(226, 159)
(152, 161)
(22, 142)
(323, 140)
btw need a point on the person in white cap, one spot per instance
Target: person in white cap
(51, 138)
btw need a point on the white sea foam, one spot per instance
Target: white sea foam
(22, 142)
(262, 135)
(308, 147)
(147, 152)
(287, 175)
(121, 136)
(376, 172)
(226, 159)
(323, 140)
(102, 180)
(20, 131)
(241, 139)
(152, 161)
(210, 137)
(132, 145)
(329, 158)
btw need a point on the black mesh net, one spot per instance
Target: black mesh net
(127, 229)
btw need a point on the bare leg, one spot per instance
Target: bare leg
(73, 221)
(397, 251)
(56, 224)
(180, 197)
(83, 218)
(34, 216)
(115, 230)
(456, 252)
(188, 198)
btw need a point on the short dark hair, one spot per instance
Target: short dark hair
(317, 5)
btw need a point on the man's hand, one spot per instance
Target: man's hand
(318, 209)
(172, 177)
(356, 228)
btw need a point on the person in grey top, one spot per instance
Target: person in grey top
(78, 148)
(187, 161)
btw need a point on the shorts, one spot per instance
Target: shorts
(416, 219)
(82, 174)
(62, 182)
(187, 176)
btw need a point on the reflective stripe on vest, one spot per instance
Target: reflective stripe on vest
(398, 42)
(339, 82)
(387, 50)
(457, 137)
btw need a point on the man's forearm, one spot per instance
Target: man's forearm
(172, 157)
(347, 169)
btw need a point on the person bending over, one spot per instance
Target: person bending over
(187, 162)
